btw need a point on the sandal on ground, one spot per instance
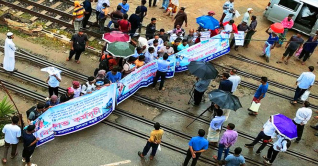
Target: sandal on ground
(77, 61)
(286, 62)
(264, 157)
(140, 155)
(31, 164)
(316, 150)
(23, 159)
(67, 59)
(215, 157)
(252, 113)
(4, 160)
(163, 89)
(151, 157)
(292, 102)
(12, 157)
(303, 63)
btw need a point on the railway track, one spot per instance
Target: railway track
(245, 59)
(165, 144)
(145, 100)
(272, 83)
(57, 19)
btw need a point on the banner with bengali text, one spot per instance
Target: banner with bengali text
(76, 114)
(206, 50)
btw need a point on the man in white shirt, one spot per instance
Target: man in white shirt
(246, 17)
(89, 86)
(156, 37)
(304, 82)
(12, 132)
(77, 88)
(215, 127)
(235, 79)
(228, 10)
(141, 42)
(156, 46)
(267, 133)
(302, 116)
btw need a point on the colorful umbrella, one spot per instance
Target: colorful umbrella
(284, 126)
(208, 22)
(277, 27)
(120, 49)
(116, 36)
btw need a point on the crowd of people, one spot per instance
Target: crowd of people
(160, 44)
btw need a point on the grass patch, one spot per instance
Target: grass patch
(26, 16)
(95, 44)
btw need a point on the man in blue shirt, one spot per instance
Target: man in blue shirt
(124, 6)
(235, 159)
(260, 93)
(163, 67)
(114, 76)
(197, 145)
(270, 44)
(308, 48)
(134, 20)
(183, 46)
(226, 84)
(88, 11)
(143, 11)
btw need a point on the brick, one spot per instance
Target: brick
(33, 18)
(56, 5)
(19, 13)
(48, 23)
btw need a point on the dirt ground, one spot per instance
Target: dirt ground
(178, 87)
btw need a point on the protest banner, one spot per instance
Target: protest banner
(239, 38)
(76, 114)
(204, 51)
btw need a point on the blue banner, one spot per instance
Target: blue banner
(76, 114)
(204, 51)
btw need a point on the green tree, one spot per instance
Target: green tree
(6, 109)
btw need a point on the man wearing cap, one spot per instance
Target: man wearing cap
(53, 101)
(9, 56)
(246, 17)
(211, 13)
(89, 86)
(78, 16)
(180, 18)
(68, 95)
(29, 144)
(287, 23)
(79, 42)
(77, 88)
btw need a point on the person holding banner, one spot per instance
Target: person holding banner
(68, 95)
(29, 144)
(76, 88)
(114, 76)
(241, 27)
(163, 67)
(269, 44)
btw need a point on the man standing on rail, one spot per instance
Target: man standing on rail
(9, 56)
(153, 142)
(303, 115)
(88, 11)
(304, 82)
(79, 42)
(78, 16)
(197, 145)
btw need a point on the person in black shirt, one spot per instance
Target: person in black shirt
(151, 29)
(29, 144)
(67, 96)
(135, 20)
(88, 11)
(225, 84)
(163, 35)
(143, 11)
(176, 44)
(79, 42)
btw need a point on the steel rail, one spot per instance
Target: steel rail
(47, 17)
(245, 59)
(207, 122)
(39, 97)
(249, 75)
(171, 130)
(244, 135)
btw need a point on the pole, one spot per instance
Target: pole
(20, 115)
(199, 116)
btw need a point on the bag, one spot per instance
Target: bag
(159, 147)
(305, 96)
(298, 52)
(32, 109)
(104, 64)
(255, 106)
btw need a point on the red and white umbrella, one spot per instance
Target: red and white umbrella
(116, 36)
